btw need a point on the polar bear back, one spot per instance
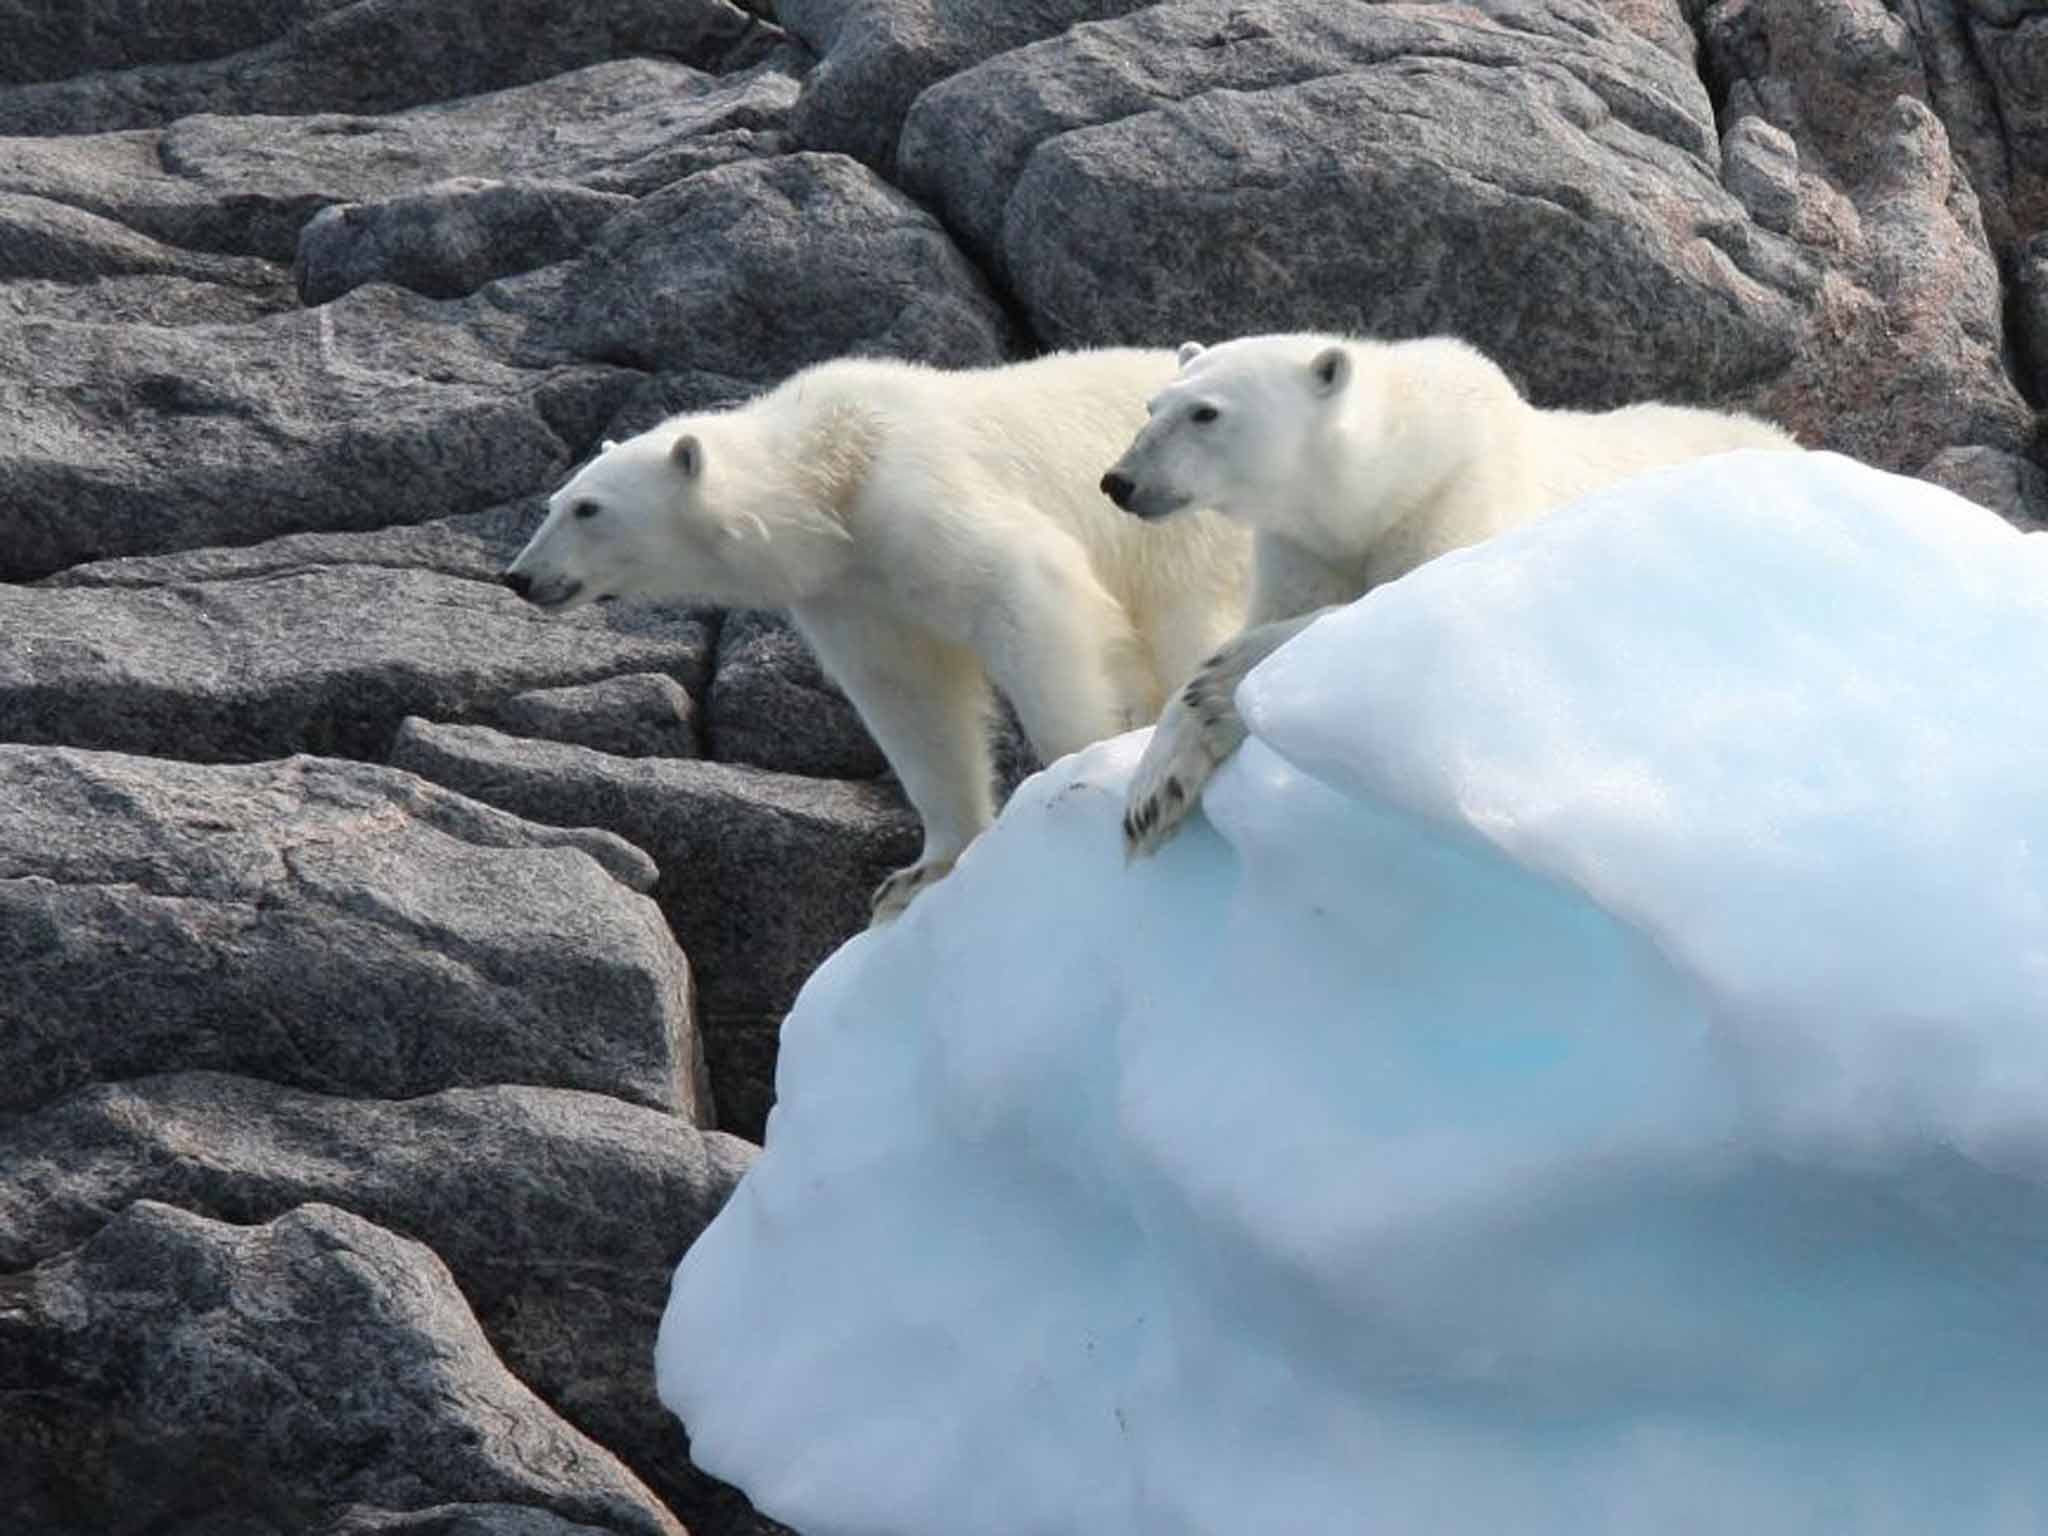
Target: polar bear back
(1491, 459)
(1581, 451)
(959, 457)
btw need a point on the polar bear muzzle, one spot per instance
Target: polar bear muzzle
(1145, 501)
(549, 592)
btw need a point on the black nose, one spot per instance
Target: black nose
(518, 581)
(1118, 488)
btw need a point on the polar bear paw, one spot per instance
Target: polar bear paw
(901, 888)
(1199, 729)
(1196, 734)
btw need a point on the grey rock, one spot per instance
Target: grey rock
(1962, 95)
(179, 1374)
(122, 177)
(560, 1214)
(456, 1520)
(1211, 168)
(762, 874)
(1985, 64)
(50, 39)
(323, 659)
(380, 408)
(771, 705)
(1011, 754)
(743, 1049)
(2029, 315)
(2013, 487)
(1666, 23)
(641, 714)
(1901, 348)
(449, 238)
(2010, 42)
(472, 545)
(63, 263)
(248, 185)
(660, 395)
(335, 926)
(368, 56)
(752, 270)
(1760, 164)
(131, 300)
(875, 56)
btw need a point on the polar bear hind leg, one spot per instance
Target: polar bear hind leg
(1065, 653)
(925, 701)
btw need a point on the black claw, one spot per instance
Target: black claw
(1213, 662)
(1174, 792)
(1192, 696)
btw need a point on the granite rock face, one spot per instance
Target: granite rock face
(317, 659)
(1905, 349)
(89, 66)
(1544, 180)
(1205, 170)
(197, 1372)
(379, 408)
(337, 926)
(772, 706)
(424, 938)
(631, 714)
(763, 874)
(876, 56)
(857, 267)
(449, 238)
(514, 1188)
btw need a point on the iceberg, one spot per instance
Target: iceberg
(1586, 1071)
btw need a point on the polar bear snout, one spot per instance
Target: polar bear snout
(548, 592)
(1141, 499)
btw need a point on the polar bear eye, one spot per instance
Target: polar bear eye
(1202, 415)
(584, 510)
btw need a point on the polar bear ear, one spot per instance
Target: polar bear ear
(1189, 351)
(1331, 370)
(688, 454)
(608, 445)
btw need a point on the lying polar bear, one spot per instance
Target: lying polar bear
(1352, 462)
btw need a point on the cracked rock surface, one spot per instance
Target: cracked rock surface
(559, 1213)
(333, 925)
(310, 1364)
(385, 968)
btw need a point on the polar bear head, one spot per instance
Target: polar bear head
(1248, 427)
(698, 509)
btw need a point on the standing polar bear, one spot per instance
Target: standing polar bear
(1353, 462)
(927, 531)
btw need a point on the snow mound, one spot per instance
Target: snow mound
(1588, 1072)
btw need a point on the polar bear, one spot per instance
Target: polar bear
(927, 531)
(1354, 461)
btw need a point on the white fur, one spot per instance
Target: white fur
(928, 531)
(1354, 462)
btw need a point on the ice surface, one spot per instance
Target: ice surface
(1586, 1073)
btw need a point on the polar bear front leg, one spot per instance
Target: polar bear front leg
(925, 701)
(1199, 729)
(1292, 587)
